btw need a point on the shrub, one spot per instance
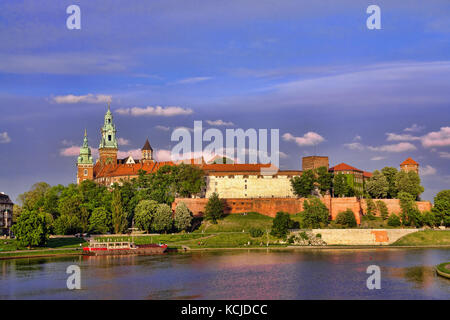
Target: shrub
(303, 235)
(346, 219)
(394, 220)
(67, 224)
(319, 236)
(256, 233)
(371, 209)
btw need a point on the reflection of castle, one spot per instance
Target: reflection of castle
(229, 180)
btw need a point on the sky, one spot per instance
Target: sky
(312, 69)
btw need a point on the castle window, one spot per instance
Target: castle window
(85, 172)
(109, 137)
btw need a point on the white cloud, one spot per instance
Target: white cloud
(163, 155)
(414, 128)
(354, 146)
(74, 151)
(162, 128)
(123, 142)
(192, 80)
(357, 138)
(445, 155)
(399, 147)
(401, 137)
(377, 158)
(439, 138)
(308, 139)
(88, 98)
(135, 153)
(155, 111)
(219, 123)
(4, 137)
(427, 171)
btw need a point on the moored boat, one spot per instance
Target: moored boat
(96, 248)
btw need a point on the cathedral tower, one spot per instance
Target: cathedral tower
(85, 166)
(108, 144)
(147, 153)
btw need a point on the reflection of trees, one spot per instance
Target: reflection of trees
(421, 276)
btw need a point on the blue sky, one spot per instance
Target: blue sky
(375, 97)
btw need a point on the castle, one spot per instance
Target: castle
(229, 180)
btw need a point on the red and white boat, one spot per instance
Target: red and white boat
(96, 248)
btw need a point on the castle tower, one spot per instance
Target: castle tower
(85, 166)
(108, 144)
(147, 152)
(409, 165)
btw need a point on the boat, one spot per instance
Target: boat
(97, 248)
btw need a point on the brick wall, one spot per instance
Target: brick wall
(270, 206)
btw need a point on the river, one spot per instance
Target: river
(236, 274)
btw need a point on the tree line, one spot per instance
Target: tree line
(384, 184)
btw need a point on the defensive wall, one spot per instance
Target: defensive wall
(362, 237)
(270, 206)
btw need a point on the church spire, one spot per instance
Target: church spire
(85, 156)
(108, 143)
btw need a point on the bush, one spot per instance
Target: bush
(319, 236)
(346, 219)
(371, 209)
(303, 235)
(67, 224)
(394, 220)
(256, 233)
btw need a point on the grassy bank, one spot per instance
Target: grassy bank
(55, 246)
(425, 238)
(443, 269)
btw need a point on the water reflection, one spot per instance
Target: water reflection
(250, 274)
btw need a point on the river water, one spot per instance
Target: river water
(252, 274)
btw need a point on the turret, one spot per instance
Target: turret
(108, 144)
(147, 152)
(85, 166)
(409, 165)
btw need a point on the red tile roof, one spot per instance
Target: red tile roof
(344, 167)
(367, 174)
(409, 161)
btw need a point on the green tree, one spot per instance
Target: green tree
(377, 186)
(100, 220)
(144, 214)
(303, 185)
(409, 182)
(119, 217)
(371, 209)
(214, 208)
(34, 198)
(390, 173)
(340, 185)
(315, 214)
(162, 222)
(346, 218)
(31, 229)
(324, 180)
(183, 217)
(281, 224)
(441, 207)
(382, 209)
(67, 224)
(410, 215)
(189, 180)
